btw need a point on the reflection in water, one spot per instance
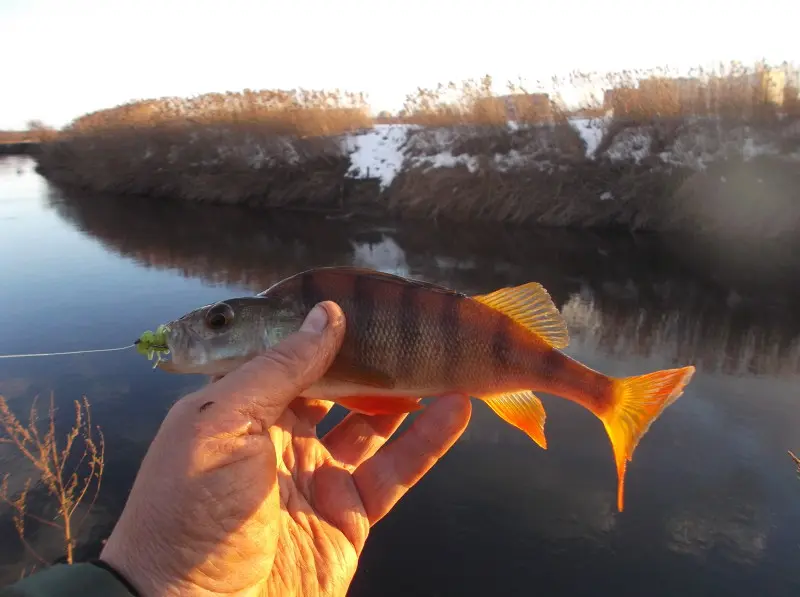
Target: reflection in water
(719, 325)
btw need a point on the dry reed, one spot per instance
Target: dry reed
(796, 461)
(474, 102)
(298, 113)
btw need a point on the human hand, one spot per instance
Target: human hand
(237, 495)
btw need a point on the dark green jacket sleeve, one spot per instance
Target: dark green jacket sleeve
(78, 580)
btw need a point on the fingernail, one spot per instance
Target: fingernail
(316, 321)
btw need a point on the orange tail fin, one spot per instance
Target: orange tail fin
(638, 401)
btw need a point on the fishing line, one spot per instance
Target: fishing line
(55, 354)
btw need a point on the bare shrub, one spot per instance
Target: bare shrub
(67, 476)
(796, 461)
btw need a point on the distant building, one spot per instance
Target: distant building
(773, 83)
(742, 95)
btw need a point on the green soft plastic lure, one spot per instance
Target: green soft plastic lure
(153, 344)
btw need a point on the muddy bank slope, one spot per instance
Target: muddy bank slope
(699, 175)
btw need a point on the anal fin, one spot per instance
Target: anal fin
(523, 410)
(379, 405)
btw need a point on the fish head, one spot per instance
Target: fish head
(217, 338)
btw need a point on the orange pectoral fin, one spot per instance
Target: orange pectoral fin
(379, 405)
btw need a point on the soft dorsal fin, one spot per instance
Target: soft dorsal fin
(530, 305)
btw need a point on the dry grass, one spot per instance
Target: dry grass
(732, 91)
(212, 163)
(301, 113)
(8, 137)
(67, 475)
(36, 132)
(474, 102)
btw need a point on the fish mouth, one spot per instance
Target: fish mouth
(178, 342)
(155, 345)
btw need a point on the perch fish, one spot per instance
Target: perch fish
(406, 339)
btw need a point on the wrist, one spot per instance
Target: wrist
(121, 578)
(138, 570)
(147, 578)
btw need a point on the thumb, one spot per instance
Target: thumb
(268, 383)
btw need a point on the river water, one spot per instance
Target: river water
(712, 498)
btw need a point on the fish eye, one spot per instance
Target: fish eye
(218, 316)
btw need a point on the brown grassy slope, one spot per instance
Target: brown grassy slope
(265, 148)
(220, 164)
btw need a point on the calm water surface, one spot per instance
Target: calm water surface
(712, 499)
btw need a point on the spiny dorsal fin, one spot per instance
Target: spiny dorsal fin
(523, 410)
(530, 305)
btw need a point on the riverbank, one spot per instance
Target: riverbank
(23, 148)
(699, 175)
(713, 155)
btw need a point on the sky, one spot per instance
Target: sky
(63, 59)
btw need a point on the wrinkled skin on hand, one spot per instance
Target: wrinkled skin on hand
(238, 496)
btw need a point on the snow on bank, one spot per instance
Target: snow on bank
(377, 153)
(386, 150)
(591, 131)
(381, 153)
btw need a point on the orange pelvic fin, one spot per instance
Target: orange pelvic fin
(530, 305)
(523, 410)
(379, 405)
(637, 402)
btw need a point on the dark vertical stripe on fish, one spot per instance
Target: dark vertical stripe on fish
(364, 302)
(449, 325)
(551, 364)
(501, 346)
(410, 312)
(310, 291)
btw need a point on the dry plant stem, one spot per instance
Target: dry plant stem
(796, 460)
(69, 486)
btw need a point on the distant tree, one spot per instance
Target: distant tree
(39, 131)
